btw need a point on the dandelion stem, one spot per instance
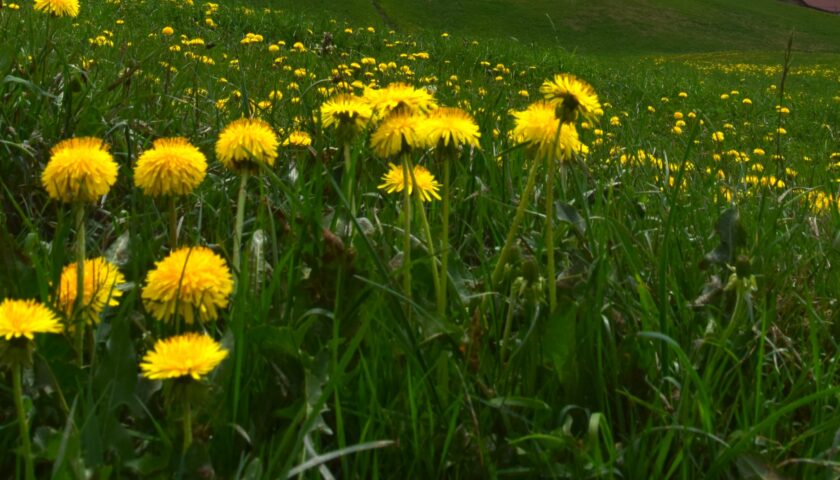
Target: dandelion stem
(187, 426)
(435, 272)
(444, 240)
(507, 249)
(80, 282)
(549, 232)
(508, 324)
(407, 234)
(173, 224)
(349, 180)
(240, 221)
(26, 446)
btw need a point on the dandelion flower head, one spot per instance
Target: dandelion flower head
(394, 181)
(396, 134)
(297, 139)
(25, 318)
(450, 128)
(101, 279)
(246, 142)
(400, 97)
(347, 112)
(189, 282)
(191, 354)
(572, 96)
(538, 125)
(58, 8)
(173, 166)
(80, 170)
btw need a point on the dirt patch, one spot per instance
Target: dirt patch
(832, 6)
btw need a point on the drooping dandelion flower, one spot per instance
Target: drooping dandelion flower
(346, 113)
(426, 185)
(58, 8)
(297, 139)
(538, 125)
(173, 166)
(246, 142)
(397, 134)
(399, 97)
(448, 128)
(571, 96)
(101, 279)
(25, 318)
(80, 170)
(189, 355)
(189, 282)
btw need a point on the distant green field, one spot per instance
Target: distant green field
(604, 26)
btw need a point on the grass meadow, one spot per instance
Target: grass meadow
(662, 306)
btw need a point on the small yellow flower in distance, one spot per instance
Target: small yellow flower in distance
(615, 121)
(25, 318)
(347, 113)
(273, 48)
(58, 8)
(173, 166)
(717, 137)
(781, 131)
(298, 47)
(168, 31)
(395, 181)
(724, 96)
(448, 128)
(759, 152)
(571, 96)
(397, 134)
(191, 355)
(246, 142)
(538, 124)
(677, 130)
(678, 115)
(651, 109)
(746, 102)
(298, 139)
(102, 279)
(682, 95)
(79, 170)
(189, 282)
(399, 97)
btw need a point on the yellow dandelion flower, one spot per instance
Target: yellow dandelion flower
(101, 278)
(397, 134)
(347, 113)
(25, 318)
(58, 8)
(173, 166)
(79, 170)
(188, 280)
(168, 31)
(448, 127)
(298, 139)
(191, 354)
(571, 96)
(400, 97)
(394, 181)
(718, 137)
(538, 125)
(246, 142)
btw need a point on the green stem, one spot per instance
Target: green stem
(349, 180)
(187, 426)
(173, 224)
(444, 239)
(80, 282)
(406, 164)
(507, 249)
(240, 221)
(431, 243)
(22, 422)
(549, 232)
(508, 323)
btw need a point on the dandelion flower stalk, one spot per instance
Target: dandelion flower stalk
(406, 164)
(507, 249)
(173, 223)
(444, 241)
(240, 221)
(549, 232)
(80, 281)
(431, 243)
(23, 424)
(187, 422)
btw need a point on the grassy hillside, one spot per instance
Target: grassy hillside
(605, 26)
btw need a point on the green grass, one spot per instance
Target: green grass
(659, 362)
(606, 26)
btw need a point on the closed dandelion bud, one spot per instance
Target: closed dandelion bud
(530, 270)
